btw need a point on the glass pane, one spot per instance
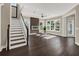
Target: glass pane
(70, 29)
(52, 22)
(41, 26)
(48, 23)
(57, 26)
(52, 25)
(48, 27)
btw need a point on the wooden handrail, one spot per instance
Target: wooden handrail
(26, 29)
(8, 29)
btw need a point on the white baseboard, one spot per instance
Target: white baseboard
(77, 43)
(32, 33)
(2, 47)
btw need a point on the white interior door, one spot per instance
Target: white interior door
(71, 26)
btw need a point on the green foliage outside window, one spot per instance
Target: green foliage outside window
(52, 25)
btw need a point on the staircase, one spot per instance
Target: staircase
(16, 35)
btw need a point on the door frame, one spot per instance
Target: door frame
(67, 26)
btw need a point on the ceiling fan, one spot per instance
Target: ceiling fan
(42, 15)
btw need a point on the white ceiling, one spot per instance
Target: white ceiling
(48, 9)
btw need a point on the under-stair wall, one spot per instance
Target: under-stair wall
(5, 20)
(0, 25)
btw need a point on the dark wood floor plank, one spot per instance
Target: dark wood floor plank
(38, 46)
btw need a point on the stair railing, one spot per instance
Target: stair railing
(27, 33)
(8, 30)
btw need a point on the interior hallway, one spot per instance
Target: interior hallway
(38, 46)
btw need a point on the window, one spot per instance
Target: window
(13, 4)
(41, 26)
(14, 10)
(48, 25)
(57, 26)
(52, 25)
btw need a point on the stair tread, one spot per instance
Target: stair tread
(16, 28)
(17, 41)
(17, 36)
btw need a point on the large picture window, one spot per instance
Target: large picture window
(57, 26)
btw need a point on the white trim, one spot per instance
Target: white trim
(0, 49)
(77, 43)
(1, 4)
(32, 33)
(0, 26)
(35, 28)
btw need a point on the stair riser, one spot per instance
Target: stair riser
(16, 30)
(17, 46)
(17, 36)
(16, 33)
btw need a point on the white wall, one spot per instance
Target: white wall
(63, 30)
(5, 20)
(0, 25)
(64, 24)
(13, 12)
(77, 26)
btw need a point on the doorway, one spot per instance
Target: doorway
(70, 26)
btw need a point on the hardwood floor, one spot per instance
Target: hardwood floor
(58, 46)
